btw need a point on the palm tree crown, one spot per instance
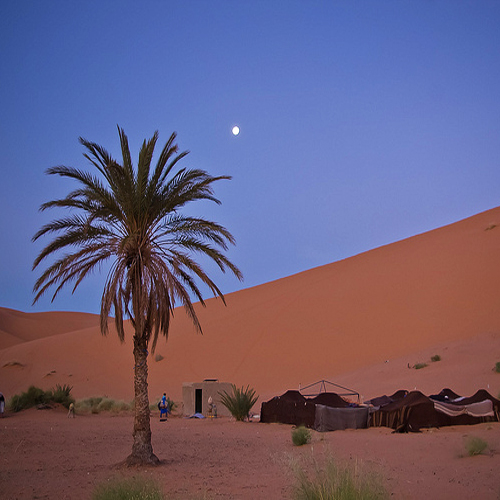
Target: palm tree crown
(133, 218)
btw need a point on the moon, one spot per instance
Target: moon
(235, 130)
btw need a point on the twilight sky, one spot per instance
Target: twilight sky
(362, 122)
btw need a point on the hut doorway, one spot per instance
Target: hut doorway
(198, 401)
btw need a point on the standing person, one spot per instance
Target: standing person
(71, 410)
(210, 407)
(163, 406)
(2, 404)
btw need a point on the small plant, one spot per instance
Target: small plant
(497, 367)
(158, 357)
(240, 402)
(62, 395)
(333, 482)
(301, 435)
(475, 446)
(135, 488)
(419, 366)
(435, 358)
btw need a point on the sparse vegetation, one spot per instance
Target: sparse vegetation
(97, 405)
(334, 482)
(435, 358)
(240, 402)
(158, 357)
(301, 435)
(35, 396)
(497, 367)
(419, 366)
(135, 488)
(475, 446)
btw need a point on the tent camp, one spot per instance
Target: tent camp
(415, 411)
(326, 411)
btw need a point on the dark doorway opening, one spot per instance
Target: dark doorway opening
(198, 401)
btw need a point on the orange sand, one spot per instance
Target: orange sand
(358, 322)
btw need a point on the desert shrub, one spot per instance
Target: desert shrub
(121, 405)
(475, 446)
(497, 367)
(158, 357)
(99, 404)
(301, 435)
(106, 404)
(88, 405)
(35, 396)
(32, 397)
(419, 366)
(240, 402)
(62, 395)
(134, 488)
(333, 482)
(435, 358)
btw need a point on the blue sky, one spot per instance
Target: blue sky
(362, 122)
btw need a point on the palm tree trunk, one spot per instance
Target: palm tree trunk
(142, 449)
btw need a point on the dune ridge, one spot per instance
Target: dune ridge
(360, 321)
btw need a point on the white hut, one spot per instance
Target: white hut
(195, 396)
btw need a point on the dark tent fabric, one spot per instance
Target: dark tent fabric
(445, 395)
(289, 408)
(416, 411)
(293, 408)
(385, 400)
(335, 419)
(408, 414)
(330, 399)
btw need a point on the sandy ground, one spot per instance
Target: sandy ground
(45, 455)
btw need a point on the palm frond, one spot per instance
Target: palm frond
(131, 218)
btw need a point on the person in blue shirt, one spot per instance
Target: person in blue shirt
(163, 406)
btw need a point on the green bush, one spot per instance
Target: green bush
(240, 402)
(301, 435)
(497, 367)
(419, 366)
(435, 358)
(35, 396)
(475, 446)
(62, 395)
(135, 488)
(333, 482)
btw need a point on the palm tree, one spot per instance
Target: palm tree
(131, 218)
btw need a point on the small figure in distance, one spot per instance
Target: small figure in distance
(71, 410)
(163, 407)
(2, 404)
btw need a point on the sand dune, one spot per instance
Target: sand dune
(359, 322)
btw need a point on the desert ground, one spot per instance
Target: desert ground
(45, 455)
(363, 323)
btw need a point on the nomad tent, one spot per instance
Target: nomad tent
(414, 411)
(327, 411)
